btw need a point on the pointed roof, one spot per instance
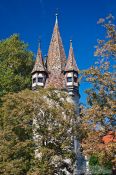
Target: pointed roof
(39, 64)
(71, 62)
(56, 55)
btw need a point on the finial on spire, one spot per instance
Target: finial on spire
(56, 18)
(70, 42)
(39, 45)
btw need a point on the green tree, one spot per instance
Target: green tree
(99, 115)
(15, 65)
(35, 133)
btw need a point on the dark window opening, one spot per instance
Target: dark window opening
(75, 79)
(40, 79)
(69, 79)
(34, 80)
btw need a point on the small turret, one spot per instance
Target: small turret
(71, 73)
(39, 72)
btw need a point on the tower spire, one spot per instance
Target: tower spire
(56, 58)
(56, 53)
(71, 62)
(39, 64)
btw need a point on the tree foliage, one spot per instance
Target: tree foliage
(99, 116)
(15, 65)
(35, 133)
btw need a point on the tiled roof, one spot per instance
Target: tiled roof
(71, 62)
(56, 55)
(56, 81)
(56, 60)
(39, 64)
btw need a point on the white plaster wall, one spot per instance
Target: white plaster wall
(33, 84)
(40, 75)
(69, 83)
(70, 74)
(75, 84)
(75, 75)
(34, 75)
(40, 84)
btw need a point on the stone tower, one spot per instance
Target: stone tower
(61, 74)
(57, 72)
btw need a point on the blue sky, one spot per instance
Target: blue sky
(33, 19)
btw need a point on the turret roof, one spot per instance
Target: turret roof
(71, 62)
(39, 64)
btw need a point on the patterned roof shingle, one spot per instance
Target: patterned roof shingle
(56, 81)
(56, 60)
(39, 64)
(56, 55)
(71, 62)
